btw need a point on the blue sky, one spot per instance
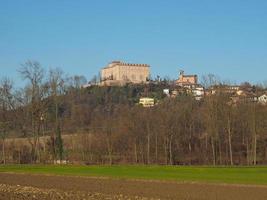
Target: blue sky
(227, 38)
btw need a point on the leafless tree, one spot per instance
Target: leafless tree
(56, 84)
(34, 73)
(7, 105)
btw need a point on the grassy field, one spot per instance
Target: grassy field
(233, 175)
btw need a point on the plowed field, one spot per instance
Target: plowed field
(44, 187)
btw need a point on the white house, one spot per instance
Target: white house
(198, 93)
(87, 85)
(147, 102)
(262, 99)
(166, 92)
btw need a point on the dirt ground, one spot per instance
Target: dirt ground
(44, 187)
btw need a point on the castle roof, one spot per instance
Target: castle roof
(120, 63)
(190, 75)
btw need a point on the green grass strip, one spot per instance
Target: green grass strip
(231, 175)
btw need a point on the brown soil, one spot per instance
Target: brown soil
(44, 187)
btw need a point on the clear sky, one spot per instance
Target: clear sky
(223, 37)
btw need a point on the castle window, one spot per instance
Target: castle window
(124, 77)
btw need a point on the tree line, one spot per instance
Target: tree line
(59, 120)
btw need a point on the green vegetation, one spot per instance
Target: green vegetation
(233, 175)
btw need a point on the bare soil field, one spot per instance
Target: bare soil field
(44, 187)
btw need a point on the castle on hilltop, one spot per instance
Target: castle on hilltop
(120, 73)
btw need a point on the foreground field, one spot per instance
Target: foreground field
(47, 187)
(132, 182)
(235, 175)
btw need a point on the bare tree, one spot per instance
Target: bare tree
(7, 105)
(209, 80)
(56, 83)
(34, 73)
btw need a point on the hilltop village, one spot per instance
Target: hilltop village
(126, 116)
(118, 73)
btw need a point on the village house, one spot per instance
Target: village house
(120, 73)
(198, 92)
(147, 102)
(226, 89)
(174, 93)
(244, 99)
(166, 92)
(262, 99)
(188, 81)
